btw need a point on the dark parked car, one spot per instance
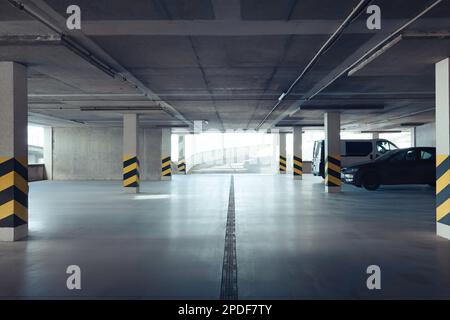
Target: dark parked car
(402, 166)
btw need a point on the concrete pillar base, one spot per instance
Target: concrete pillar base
(131, 190)
(298, 177)
(13, 234)
(443, 230)
(332, 189)
(166, 178)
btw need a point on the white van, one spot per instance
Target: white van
(352, 152)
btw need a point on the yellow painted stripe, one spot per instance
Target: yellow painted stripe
(165, 163)
(440, 158)
(13, 179)
(443, 210)
(333, 167)
(23, 161)
(13, 207)
(282, 161)
(165, 172)
(334, 180)
(297, 163)
(443, 181)
(130, 167)
(130, 180)
(127, 157)
(336, 157)
(298, 171)
(4, 159)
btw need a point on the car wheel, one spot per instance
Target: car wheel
(370, 182)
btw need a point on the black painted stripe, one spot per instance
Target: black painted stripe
(334, 161)
(442, 168)
(165, 159)
(11, 221)
(13, 165)
(132, 185)
(130, 162)
(181, 165)
(443, 196)
(297, 159)
(130, 174)
(445, 220)
(283, 158)
(331, 184)
(334, 173)
(229, 284)
(166, 167)
(297, 167)
(13, 193)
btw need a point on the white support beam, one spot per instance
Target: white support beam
(443, 148)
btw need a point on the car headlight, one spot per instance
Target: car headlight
(349, 170)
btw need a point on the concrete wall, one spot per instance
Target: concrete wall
(94, 153)
(426, 135)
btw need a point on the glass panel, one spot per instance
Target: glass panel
(358, 148)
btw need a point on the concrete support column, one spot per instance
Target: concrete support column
(297, 162)
(333, 152)
(130, 153)
(181, 155)
(443, 148)
(13, 152)
(375, 135)
(413, 137)
(48, 152)
(166, 169)
(282, 163)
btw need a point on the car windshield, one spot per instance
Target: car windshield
(386, 155)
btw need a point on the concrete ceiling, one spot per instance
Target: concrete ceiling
(226, 61)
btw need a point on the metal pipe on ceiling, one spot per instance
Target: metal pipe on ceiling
(85, 54)
(388, 39)
(373, 50)
(330, 41)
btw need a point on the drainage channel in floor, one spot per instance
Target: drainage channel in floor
(229, 285)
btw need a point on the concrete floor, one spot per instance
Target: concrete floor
(293, 240)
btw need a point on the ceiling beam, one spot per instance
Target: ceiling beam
(43, 13)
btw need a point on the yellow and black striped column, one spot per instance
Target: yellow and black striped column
(131, 173)
(166, 169)
(13, 152)
(298, 167)
(333, 172)
(282, 164)
(443, 189)
(297, 163)
(181, 154)
(442, 95)
(13, 192)
(332, 168)
(182, 166)
(130, 169)
(166, 149)
(282, 161)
